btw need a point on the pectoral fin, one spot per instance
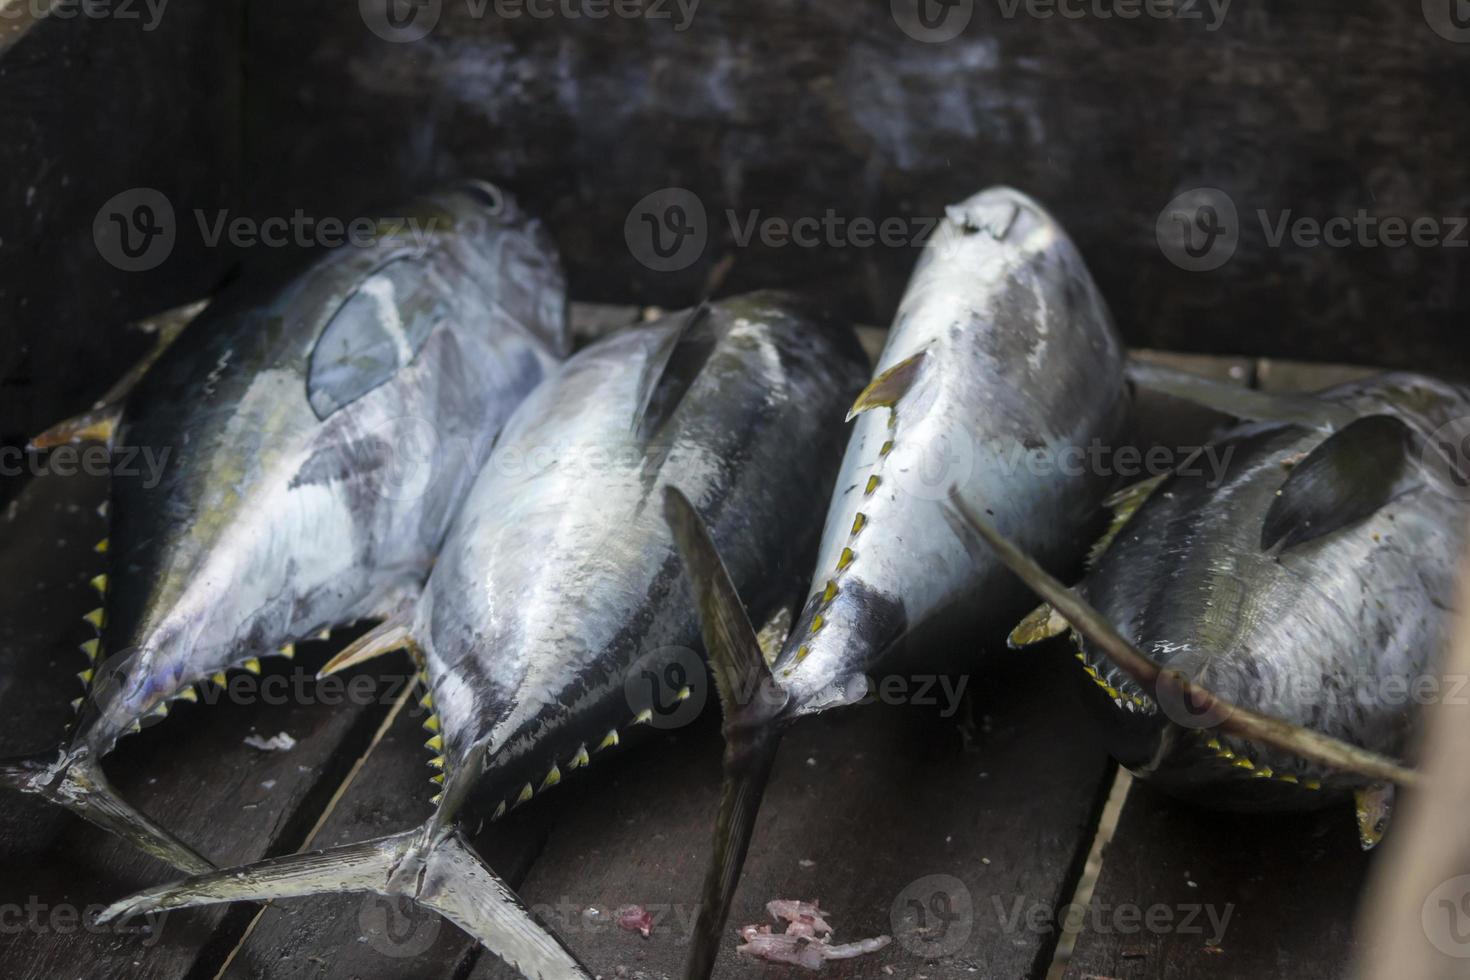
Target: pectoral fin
(1044, 623)
(1347, 478)
(888, 388)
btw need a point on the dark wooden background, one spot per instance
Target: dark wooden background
(1322, 107)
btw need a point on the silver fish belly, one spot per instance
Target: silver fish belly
(319, 441)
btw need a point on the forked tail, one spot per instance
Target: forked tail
(75, 781)
(752, 703)
(440, 871)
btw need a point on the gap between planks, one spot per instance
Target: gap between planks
(327, 811)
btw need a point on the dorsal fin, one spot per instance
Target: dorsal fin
(1242, 403)
(671, 371)
(886, 389)
(1345, 479)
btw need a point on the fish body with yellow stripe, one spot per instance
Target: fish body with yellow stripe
(558, 623)
(321, 436)
(1002, 362)
(1310, 583)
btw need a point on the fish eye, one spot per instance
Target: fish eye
(483, 193)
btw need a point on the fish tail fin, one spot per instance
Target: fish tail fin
(1230, 718)
(77, 783)
(440, 871)
(752, 703)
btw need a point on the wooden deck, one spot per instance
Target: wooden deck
(889, 815)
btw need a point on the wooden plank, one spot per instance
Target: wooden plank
(1289, 884)
(868, 810)
(192, 771)
(366, 935)
(1278, 375)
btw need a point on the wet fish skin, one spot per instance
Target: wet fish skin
(1019, 354)
(1002, 346)
(572, 565)
(280, 513)
(1318, 634)
(561, 575)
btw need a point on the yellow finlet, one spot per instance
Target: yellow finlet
(161, 711)
(818, 621)
(684, 694)
(187, 694)
(98, 425)
(219, 678)
(252, 665)
(437, 779)
(97, 618)
(1043, 623)
(552, 778)
(325, 633)
(91, 648)
(437, 762)
(525, 794)
(101, 546)
(288, 651)
(886, 448)
(1124, 504)
(887, 388)
(435, 744)
(802, 653)
(858, 523)
(845, 559)
(431, 723)
(609, 740)
(86, 676)
(830, 592)
(499, 812)
(643, 717)
(434, 800)
(427, 701)
(99, 582)
(873, 483)
(580, 759)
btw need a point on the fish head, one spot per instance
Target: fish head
(507, 254)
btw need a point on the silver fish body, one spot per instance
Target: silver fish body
(319, 442)
(561, 575)
(1337, 634)
(1017, 357)
(560, 586)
